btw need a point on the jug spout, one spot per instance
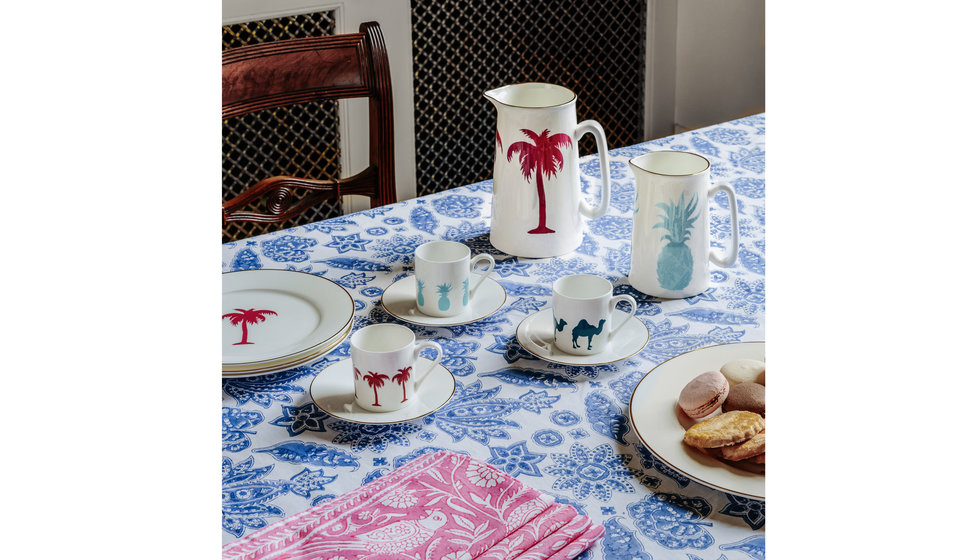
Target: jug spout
(531, 95)
(495, 95)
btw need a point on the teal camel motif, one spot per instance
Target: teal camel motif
(560, 326)
(583, 328)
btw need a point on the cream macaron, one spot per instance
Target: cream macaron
(744, 370)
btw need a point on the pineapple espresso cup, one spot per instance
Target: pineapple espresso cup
(582, 305)
(671, 251)
(387, 367)
(443, 283)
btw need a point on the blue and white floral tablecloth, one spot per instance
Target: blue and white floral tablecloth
(561, 429)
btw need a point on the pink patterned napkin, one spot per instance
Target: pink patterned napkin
(439, 506)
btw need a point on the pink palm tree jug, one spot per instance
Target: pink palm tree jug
(538, 208)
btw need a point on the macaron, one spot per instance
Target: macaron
(703, 394)
(744, 370)
(746, 396)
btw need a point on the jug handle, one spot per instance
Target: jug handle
(729, 259)
(595, 129)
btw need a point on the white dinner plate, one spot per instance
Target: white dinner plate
(536, 334)
(275, 366)
(292, 313)
(399, 300)
(661, 425)
(319, 349)
(332, 391)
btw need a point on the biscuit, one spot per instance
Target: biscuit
(728, 428)
(760, 459)
(754, 446)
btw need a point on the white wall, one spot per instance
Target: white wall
(720, 61)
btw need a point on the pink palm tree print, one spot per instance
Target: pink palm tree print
(376, 380)
(401, 378)
(246, 317)
(543, 157)
(357, 375)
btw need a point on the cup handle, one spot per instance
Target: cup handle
(612, 306)
(481, 257)
(542, 346)
(594, 128)
(729, 259)
(415, 357)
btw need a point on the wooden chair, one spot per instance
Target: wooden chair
(275, 74)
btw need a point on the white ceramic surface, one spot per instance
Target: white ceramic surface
(275, 366)
(670, 251)
(582, 305)
(333, 391)
(445, 277)
(536, 335)
(398, 299)
(660, 424)
(286, 313)
(537, 206)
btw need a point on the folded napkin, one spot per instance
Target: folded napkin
(440, 506)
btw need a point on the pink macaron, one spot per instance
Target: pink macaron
(703, 394)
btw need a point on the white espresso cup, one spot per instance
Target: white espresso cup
(670, 252)
(582, 305)
(384, 357)
(443, 286)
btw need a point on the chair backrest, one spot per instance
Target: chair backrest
(280, 73)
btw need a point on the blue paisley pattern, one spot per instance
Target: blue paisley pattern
(562, 429)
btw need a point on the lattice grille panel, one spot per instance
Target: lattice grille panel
(301, 140)
(465, 47)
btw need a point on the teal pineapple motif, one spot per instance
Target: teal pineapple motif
(443, 290)
(675, 265)
(466, 291)
(420, 299)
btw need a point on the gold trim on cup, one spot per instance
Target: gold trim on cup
(632, 162)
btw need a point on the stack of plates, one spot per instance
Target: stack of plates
(274, 320)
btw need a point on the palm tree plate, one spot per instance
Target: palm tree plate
(270, 315)
(276, 366)
(332, 391)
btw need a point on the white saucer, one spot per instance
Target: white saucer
(333, 391)
(536, 334)
(399, 300)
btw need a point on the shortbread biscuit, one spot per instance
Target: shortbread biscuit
(728, 428)
(752, 447)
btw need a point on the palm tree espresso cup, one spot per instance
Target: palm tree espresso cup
(443, 286)
(537, 206)
(384, 357)
(670, 250)
(582, 305)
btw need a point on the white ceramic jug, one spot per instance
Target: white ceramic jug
(671, 249)
(537, 205)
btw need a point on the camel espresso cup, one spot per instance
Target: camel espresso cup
(442, 277)
(384, 358)
(583, 306)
